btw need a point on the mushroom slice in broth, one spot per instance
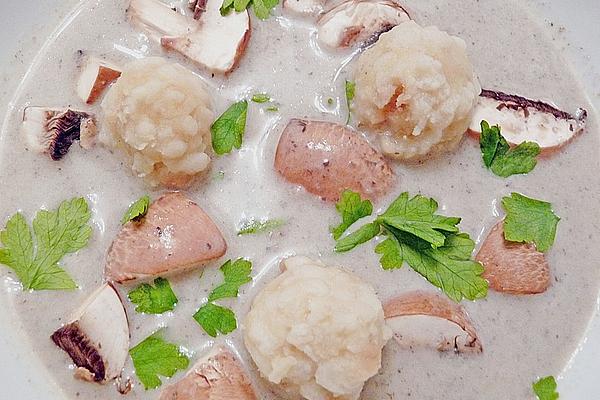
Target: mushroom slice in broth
(327, 158)
(174, 236)
(525, 120)
(97, 337)
(217, 376)
(359, 22)
(516, 268)
(52, 131)
(426, 319)
(213, 41)
(96, 76)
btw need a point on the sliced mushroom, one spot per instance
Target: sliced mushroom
(327, 158)
(217, 376)
(425, 319)
(96, 75)
(523, 120)
(215, 42)
(52, 131)
(516, 268)
(359, 22)
(97, 337)
(175, 235)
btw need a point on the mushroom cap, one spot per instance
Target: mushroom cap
(213, 41)
(421, 318)
(97, 337)
(359, 22)
(217, 376)
(52, 131)
(175, 235)
(96, 76)
(327, 158)
(517, 268)
(525, 120)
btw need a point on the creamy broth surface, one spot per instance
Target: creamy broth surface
(524, 337)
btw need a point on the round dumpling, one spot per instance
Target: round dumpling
(416, 87)
(316, 331)
(159, 113)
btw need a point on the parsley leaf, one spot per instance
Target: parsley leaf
(136, 210)
(154, 357)
(351, 208)
(545, 388)
(253, 226)
(416, 216)
(519, 160)
(261, 98)
(500, 158)
(57, 234)
(216, 319)
(155, 299)
(529, 220)
(350, 92)
(262, 8)
(429, 243)
(236, 274)
(360, 236)
(228, 130)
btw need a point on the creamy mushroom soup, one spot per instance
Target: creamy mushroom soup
(523, 337)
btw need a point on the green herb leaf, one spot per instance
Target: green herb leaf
(429, 243)
(417, 216)
(500, 158)
(529, 220)
(272, 108)
(362, 235)
(253, 226)
(240, 5)
(154, 357)
(545, 389)
(215, 319)
(520, 160)
(228, 130)
(237, 274)
(262, 8)
(352, 208)
(261, 98)
(491, 142)
(226, 7)
(57, 233)
(155, 299)
(136, 210)
(350, 92)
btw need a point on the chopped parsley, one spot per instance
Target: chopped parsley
(57, 233)
(500, 158)
(351, 208)
(228, 130)
(429, 243)
(253, 226)
(154, 357)
(136, 210)
(529, 220)
(350, 88)
(545, 389)
(215, 319)
(261, 98)
(272, 108)
(262, 8)
(155, 299)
